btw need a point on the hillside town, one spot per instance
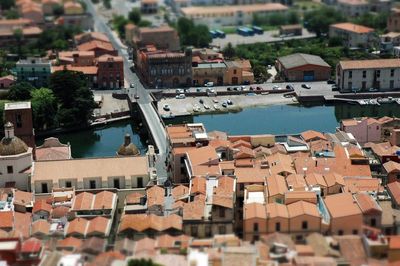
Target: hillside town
(199, 132)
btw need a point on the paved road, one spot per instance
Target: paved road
(152, 118)
(267, 36)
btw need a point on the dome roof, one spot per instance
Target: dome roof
(128, 150)
(12, 146)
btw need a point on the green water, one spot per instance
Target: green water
(279, 119)
(101, 141)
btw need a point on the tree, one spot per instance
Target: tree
(58, 10)
(18, 36)
(190, 34)
(229, 51)
(261, 74)
(75, 99)
(44, 106)
(20, 91)
(11, 14)
(107, 4)
(144, 23)
(134, 16)
(6, 4)
(319, 20)
(142, 262)
(119, 23)
(293, 17)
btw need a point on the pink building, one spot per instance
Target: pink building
(6, 81)
(363, 129)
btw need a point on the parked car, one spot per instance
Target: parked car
(224, 104)
(276, 87)
(236, 89)
(290, 87)
(251, 88)
(201, 101)
(199, 89)
(136, 96)
(330, 81)
(372, 90)
(215, 100)
(259, 88)
(209, 84)
(206, 106)
(229, 102)
(335, 88)
(166, 107)
(229, 89)
(305, 86)
(132, 85)
(180, 96)
(179, 91)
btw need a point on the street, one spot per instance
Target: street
(152, 118)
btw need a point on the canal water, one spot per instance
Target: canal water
(277, 119)
(102, 141)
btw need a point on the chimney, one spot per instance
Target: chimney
(9, 130)
(127, 140)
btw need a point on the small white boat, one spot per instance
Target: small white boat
(216, 107)
(206, 106)
(196, 108)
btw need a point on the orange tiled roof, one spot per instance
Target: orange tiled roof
(83, 201)
(341, 205)
(194, 210)
(391, 166)
(373, 63)
(277, 210)
(133, 198)
(302, 208)
(22, 223)
(95, 44)
(78, 226)
(23, 197)
(312, 135)
(143, 222)
(99, 226)
(347, 26)
(276, 185)
(40, 227)
(198, 185)
(88, 70)
(6, 220)
(104, 200)
(296, 181)
(41, 205)
(155, 196)
(367, 204)
(254, 210)
(180, 191)
(362, 184)
(202, 155)
(68, 242)
(313, 179)
(394, 189)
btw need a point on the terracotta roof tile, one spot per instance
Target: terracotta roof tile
(59, 211)
(198, 185)
(277, 210)
(41, 205)
(276, 185)
(31, 245)
(133, 198)
(368, 64)
(391, 166)
(40, 227)
(341, 205)
(367, 204)
(22, 223)
(143, 222)
(22, 197)
(155, 196)
(352, 27)
(302, 208)
(104, 200)
(315, 179)
(254, 210)
(312, 135)
(99, 226)
(95, 44)
(296, 182)
(78, 226)
(194, 210)
(394, 189)
(394, 242)
(362, 184)
(69, 242)
(6, 220)
(83, 201)
(107, 258)
(180, 191)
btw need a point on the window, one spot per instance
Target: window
(304, 225)
(116, 183)
(140, 182)
(92, 184)
(241, 186)
(208, 230)
(222, 230)
(234, 71)
(193, 231)
(391, 84)
(44, 188)
(378, 73)
(340, 232)
(255, 227)
(18, 120)
(350, 74)
(278, 227)
(183, 160)
(350, 85)
(364, 85)
(373, 222)
(10, 169)
(355, 232)
(364, 74)
(392, 72)
(221, 212)
(68, 184)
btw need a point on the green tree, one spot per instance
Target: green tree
(58, 10)
(261, 74)
(75, 99)
(20, 91)
(191, 34)
(44, 106)
(6, 4)
(107, 4)
(319, 20)
(144, 23)
(134, 16)
(293, 17)
(229, 51)
(119, 23)
(142, 262)
(276, 19)
(11, 14)
(18, 35)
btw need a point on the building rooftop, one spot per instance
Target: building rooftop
(347, 26)
(198, 11)
(368, 64)
(297, 60)
(342, 205)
